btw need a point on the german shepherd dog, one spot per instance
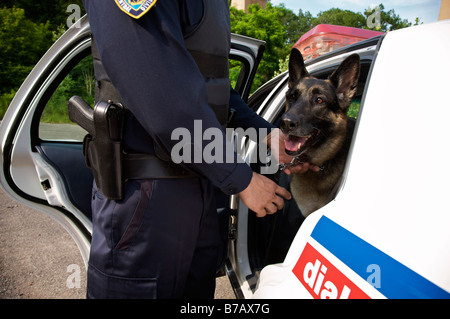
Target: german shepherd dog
(317, 128)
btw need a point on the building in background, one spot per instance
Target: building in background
(444, 12)
(243, 4)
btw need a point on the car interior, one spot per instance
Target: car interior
(60, 143)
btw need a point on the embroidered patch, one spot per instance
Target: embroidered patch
(135, 8)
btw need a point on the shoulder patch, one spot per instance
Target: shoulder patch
(135, 8)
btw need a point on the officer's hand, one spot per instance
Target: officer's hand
(263, 196)
(275, 140)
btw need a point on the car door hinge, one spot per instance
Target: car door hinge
(232, 230)
(46, 185)
(234, 206)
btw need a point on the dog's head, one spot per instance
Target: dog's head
(316, 110)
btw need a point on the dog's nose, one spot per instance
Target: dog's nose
(288, 123)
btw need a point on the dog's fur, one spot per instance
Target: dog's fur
(318, 129)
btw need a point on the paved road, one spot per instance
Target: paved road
(35, 253)
(39, 259)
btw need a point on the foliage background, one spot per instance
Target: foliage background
(29, 27)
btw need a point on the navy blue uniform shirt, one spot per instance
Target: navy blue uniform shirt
(160, 82)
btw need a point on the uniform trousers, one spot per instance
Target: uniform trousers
(160, 241)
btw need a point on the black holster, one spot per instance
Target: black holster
(104, 151)
(103, 146)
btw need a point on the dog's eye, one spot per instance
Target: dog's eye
(292, 96)
(319, 100)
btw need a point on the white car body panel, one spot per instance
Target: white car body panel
(394, 202)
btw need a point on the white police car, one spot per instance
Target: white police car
(385, 235)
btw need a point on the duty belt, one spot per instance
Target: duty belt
(146, 166)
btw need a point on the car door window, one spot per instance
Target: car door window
(55, 124)
(237, 70)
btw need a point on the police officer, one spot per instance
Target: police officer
(166, 61)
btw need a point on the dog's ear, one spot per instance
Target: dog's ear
(345, 79)
(297, 68)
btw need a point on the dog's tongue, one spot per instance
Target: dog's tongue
(294, 143)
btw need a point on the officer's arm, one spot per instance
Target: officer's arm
(244, 116)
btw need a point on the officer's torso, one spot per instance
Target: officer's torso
(206, 30)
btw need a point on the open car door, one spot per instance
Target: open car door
(42, 158)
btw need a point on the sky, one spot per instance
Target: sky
(426, 10)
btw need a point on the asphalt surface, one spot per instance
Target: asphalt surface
(39, 259)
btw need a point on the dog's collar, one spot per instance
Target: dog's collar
(296, 161)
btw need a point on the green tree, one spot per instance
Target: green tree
(27, 29)
(389, 20)
(295, 25)
(263, 24)
(341, 17)
(53, 11)
(80, 81)
(22, 44)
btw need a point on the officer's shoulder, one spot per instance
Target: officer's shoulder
(135, 8)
